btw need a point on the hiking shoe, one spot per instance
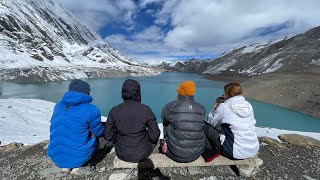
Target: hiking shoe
(66, 170)
(86, 170)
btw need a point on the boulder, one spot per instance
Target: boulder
(300, 140)
(250, 170)
(10, 147)
(272, 142)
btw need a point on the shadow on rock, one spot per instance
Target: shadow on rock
(99, 155)
(146, 170)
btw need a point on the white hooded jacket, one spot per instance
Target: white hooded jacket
(236, 119)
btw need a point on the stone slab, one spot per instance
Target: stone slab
(162, 161)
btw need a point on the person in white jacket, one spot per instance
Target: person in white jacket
(230, 128)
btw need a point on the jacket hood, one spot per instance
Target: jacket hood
(75, 98)
(131, 90)
(239, 106)
(78, 85)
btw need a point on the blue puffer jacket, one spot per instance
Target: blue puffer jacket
(75, 124)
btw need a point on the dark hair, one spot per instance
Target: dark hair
(233, 89)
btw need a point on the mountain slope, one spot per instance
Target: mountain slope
(292, 54)
(40, 40)
(300, 53)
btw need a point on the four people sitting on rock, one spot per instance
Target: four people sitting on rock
(132, 127)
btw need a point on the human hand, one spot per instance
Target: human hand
(219, 100)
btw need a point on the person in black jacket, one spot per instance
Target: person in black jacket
(183, 122)
(132, 126)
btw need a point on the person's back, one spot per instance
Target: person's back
(235, 119)
(183, 122)
(75, 124)
(132, 126)
(238, 128)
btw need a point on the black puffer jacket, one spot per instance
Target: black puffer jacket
(183, 122)
(132, 126)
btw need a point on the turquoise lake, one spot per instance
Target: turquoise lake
(159, 90)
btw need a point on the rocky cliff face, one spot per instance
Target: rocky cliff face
(41, 34)
(191, 66)
(299, 53)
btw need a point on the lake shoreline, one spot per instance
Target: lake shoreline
(299, 92)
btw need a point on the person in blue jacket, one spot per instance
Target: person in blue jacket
(75, 128)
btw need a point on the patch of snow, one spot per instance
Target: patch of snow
(24, 120)
(309, 178)
(263, 66)
(221, 67)
(275, 66)
(266, 60)
(274, 133)
(254, 48)
(284, 38)
(228, 51)
(315, 62)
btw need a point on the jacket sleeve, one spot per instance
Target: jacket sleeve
(110, 130)
(152, 125)
(215, 116)
(95, 123)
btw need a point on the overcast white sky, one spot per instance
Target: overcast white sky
(156, 30)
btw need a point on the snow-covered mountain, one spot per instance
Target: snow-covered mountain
(292, 54)
(41, 41)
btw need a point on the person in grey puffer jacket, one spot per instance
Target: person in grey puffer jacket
(183, 122)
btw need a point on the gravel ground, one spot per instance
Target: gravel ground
(293, 162)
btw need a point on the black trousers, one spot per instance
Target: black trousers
(212, 142)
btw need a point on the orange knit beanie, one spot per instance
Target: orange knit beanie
(186, 88)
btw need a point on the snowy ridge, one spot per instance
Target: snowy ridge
(28, 120)
(266, 57)
(41, 33)
(258, 47)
